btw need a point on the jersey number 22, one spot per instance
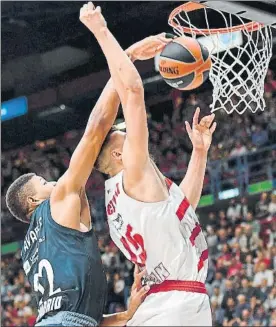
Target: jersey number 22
(50, 277)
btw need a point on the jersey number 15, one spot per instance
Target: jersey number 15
(138, 254)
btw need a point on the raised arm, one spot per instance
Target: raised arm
(71, 185)
(129, 85)
(201, 137)
(69, 191)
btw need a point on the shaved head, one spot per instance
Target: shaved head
(17, 194)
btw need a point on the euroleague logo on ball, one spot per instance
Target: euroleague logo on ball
(170, 70)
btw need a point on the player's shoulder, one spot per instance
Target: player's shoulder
(59, 190)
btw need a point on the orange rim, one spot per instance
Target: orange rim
(192, 6)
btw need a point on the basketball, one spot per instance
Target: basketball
(185, 63)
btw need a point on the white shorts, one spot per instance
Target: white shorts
(174, 308)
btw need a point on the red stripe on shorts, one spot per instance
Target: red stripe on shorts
(184, 205)
(203, 257)
(195, 233)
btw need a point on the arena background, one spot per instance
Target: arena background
(52, 73)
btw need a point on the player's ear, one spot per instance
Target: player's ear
(33, 201)
(116, 155)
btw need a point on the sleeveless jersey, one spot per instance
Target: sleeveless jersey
(165, 236)
(63, 267)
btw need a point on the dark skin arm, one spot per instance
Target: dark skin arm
(66, 199)
(138, 294)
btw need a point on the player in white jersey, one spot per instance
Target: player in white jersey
(150, 218)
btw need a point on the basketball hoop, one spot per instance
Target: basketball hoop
(240, 53)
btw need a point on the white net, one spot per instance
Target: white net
(240, 57)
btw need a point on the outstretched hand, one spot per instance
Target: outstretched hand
(148, 47)
(92, 18)
(201, 133)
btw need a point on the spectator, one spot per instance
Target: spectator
(246, 317)
(270, 303)
(212, 222)
(107, 256)
(212, 241)
(217, 313)
(224, 260)
(273, 258)
(263, 273)
(272, 205)
(22, 298)
(272, 235)
(217, 296)
(248, 241)
(237, 236)
(229, 312)
(229, 292)
(270, 84)
(241, 305)
(262, 206)
(262, 257)
(234, 268)
(246, 289)
(249, 266)
(261, 316)
(254, 223)
(232, 211)
(259, 136)
(239, 150)
(263, 290)
(242, 208)
(219, 281)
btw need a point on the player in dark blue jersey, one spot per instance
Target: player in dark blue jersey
(60, 253)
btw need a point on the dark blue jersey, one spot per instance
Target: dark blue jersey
(63, 266)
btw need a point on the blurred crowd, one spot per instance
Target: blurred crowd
(241, 240)
(241, 280)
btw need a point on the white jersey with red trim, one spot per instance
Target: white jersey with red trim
(164, 236)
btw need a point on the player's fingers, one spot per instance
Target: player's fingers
(203, 123)
(161, 34)
(164, 39)
(160, 47)
(206, 121)
(209, 120)
(213, 128)
(196, 116)
(98, 10)
(136, 270)
(188, 128)
(85, 7)
(82, 12)
(143, 292)
(139, 276)
(90, 6)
